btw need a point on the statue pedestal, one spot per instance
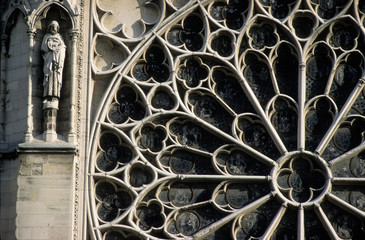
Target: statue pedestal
(71, 138)
(50, 109)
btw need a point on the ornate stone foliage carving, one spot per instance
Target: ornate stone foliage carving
(229, 120)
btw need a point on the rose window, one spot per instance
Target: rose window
(228, 120)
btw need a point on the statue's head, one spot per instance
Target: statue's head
(53, 27)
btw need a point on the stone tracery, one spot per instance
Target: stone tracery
(231, 119)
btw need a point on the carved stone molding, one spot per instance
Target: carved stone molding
(78, 224)
(49, 148)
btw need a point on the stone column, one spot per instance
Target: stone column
(28, 135)
(74, 33)
(4, 39)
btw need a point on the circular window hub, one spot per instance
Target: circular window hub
(301, 178)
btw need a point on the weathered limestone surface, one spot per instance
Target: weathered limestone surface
(44, 196)
(9, 170)
(16, 102)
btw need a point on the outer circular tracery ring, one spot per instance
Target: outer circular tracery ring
(232, 119)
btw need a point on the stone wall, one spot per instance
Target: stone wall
(41, 185)
(9, 170)
(44, 197)
(17, 83)
(36, 197)
(16, 62)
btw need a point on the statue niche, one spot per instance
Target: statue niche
(53, 51)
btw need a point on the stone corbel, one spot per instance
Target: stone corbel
(73, 33)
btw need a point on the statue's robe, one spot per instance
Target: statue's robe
(53, 51)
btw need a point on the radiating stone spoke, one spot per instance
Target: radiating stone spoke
(232, 216)
(348, 155)
(279, 144)
(348, 181)
(345, 109)
(275, 222)
(220, 178)
(235, 141)
(301, 231)
(346, 206)
(326, 223)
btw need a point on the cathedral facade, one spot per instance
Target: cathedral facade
(182, 119)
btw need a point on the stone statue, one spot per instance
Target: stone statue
(53, 51)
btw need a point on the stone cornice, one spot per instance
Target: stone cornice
(57, 147)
